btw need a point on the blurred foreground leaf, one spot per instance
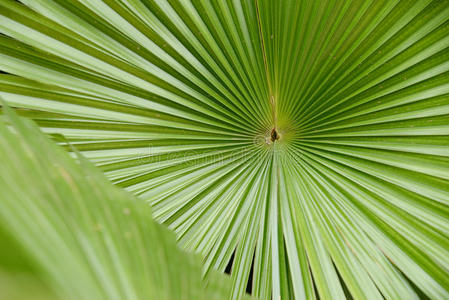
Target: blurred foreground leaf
(88, 238)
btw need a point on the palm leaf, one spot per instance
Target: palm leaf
(309, 140)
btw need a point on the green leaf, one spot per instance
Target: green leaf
(82, 236)
(308, 140)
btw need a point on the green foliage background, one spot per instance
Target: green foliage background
(176, 102)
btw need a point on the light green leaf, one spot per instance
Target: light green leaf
(306, 140)
(88, 239)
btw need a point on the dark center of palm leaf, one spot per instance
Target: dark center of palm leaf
(274, 135)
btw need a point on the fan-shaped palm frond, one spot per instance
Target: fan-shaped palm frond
(309, 139)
